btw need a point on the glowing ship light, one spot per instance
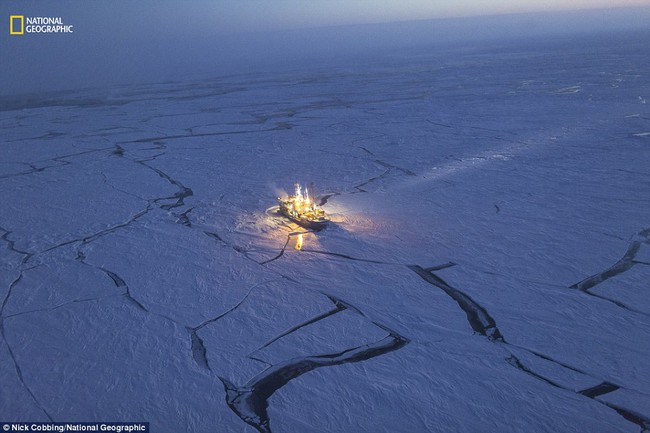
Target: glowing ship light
(302, 209)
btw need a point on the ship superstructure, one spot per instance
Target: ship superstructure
(302, 209)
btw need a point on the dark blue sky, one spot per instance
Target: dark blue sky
(234, 16)
(123, 41)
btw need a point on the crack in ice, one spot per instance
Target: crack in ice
(250, 401)
(624, 264)
(477, 316)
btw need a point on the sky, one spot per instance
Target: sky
(127, 41)
(246, 15)
(242, 16)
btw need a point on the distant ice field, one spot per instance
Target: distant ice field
(486, 269)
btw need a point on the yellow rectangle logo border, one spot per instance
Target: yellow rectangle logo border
(11, 25)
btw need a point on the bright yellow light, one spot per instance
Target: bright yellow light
(299, 242)
(303, 210)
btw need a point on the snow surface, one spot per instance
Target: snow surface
(486, 268)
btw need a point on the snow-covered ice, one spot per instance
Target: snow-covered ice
(486, 269)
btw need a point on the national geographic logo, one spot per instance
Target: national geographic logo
(20, 24)
(17, 25)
